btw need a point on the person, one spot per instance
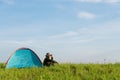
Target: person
(48, 61)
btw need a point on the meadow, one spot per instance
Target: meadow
(63, 72)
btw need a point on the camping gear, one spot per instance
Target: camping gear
(23, 58)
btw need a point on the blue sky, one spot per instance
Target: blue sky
(72, 30)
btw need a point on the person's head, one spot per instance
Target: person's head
(48, 55)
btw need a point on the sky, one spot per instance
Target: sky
(74, 31)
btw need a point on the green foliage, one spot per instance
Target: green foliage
(2, 65)
(63, 72)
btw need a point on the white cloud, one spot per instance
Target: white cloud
(8, 2)
(112, 1)
(67, 34)
(15, 42)
(88, 34)
(97, 1)
(86, 15)
(89, 0)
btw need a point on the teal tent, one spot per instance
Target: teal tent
(23, 58)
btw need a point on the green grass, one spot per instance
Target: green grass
(63, 72)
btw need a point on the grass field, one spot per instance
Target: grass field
(63, 72)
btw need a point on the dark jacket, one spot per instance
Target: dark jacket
(48, 62)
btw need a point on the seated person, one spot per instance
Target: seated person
(48, 61)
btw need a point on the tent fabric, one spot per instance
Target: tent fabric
(23, 58)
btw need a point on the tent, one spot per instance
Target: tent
(23, 58)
